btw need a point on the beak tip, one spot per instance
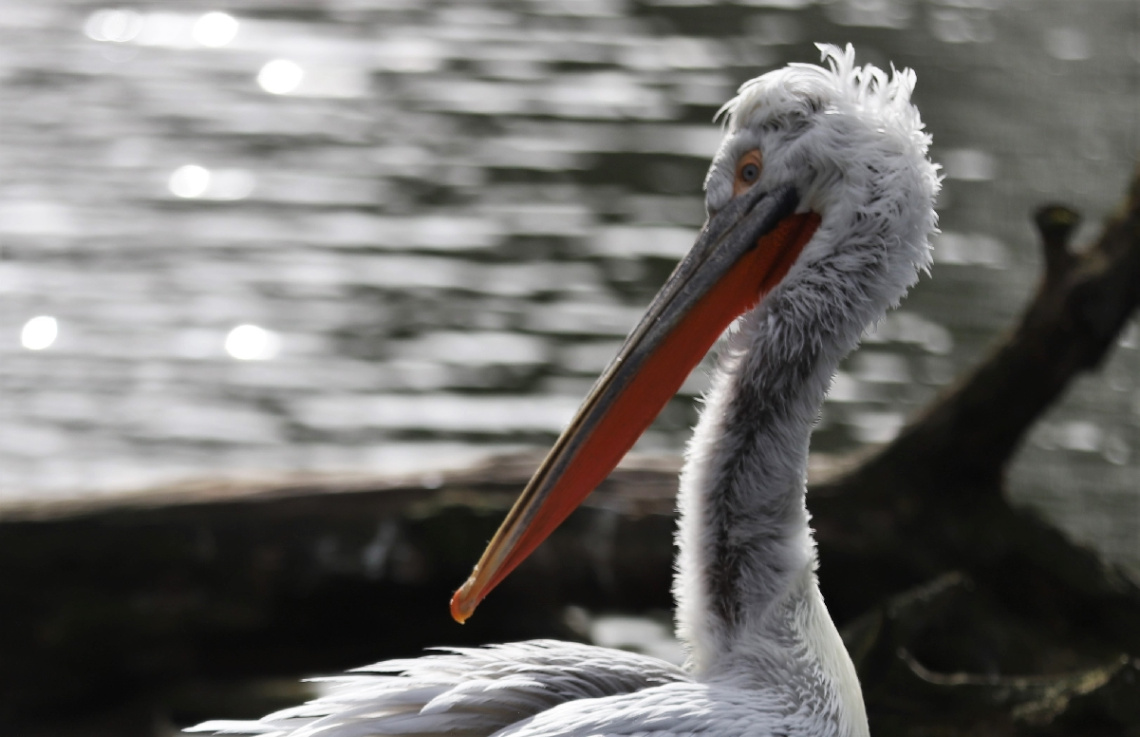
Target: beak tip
(461, 605)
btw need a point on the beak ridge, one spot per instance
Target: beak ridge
(743, 252)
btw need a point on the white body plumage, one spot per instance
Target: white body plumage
(765, 657)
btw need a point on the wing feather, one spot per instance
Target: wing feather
(461, 692)
(677, 710)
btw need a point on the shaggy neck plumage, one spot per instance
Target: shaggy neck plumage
(746, 556)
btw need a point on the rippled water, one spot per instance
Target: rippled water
(388, 235)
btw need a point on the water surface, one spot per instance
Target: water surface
(276, 236)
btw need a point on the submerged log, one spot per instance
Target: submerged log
(964, 614)
(119, 605)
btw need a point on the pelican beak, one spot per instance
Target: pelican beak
(741, 254)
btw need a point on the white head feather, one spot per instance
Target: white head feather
(854, 145)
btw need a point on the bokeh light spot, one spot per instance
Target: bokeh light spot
(215, 29)
(190, 181)
(39, 333)
(252, 343)
(280, 76)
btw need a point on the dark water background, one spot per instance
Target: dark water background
(442, 217)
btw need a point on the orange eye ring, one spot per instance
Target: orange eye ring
(748, 170)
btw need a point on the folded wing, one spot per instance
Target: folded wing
(461, 692)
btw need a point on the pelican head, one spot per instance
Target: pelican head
(854, 148)
(820, 205)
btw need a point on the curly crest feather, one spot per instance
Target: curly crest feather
(809, 88)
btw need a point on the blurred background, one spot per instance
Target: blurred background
(240, 238)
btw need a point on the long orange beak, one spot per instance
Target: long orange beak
(741, 254)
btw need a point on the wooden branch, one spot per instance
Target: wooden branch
(932, 500)
(1111, 709)
(1084, 299)
(967, 698)
(879, 634)
(908, 697)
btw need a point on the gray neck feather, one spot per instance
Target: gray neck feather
(744, 539)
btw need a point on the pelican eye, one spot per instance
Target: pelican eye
(748, 170)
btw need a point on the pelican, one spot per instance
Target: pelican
(820, 208)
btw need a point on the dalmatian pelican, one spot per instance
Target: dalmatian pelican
(820, 209)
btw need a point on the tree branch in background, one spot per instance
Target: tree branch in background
(932, 501)
(1083, 301)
